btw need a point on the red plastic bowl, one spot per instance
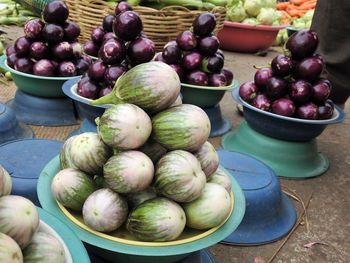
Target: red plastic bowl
(247, 38)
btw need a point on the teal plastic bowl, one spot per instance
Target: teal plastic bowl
(50, 87)
(203, 96)
(71, 242)
(127, 252)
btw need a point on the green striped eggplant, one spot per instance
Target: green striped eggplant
(72, 187)
(128, 172)
(210, 209)
(135, 199)
(153, 150)
(124, 126)
(208, 158)
(19, 219)
(105, 210)
(88, 153)
(158, 219)
(179, 176)
(5, 182)
(44, 248)
(153, 86)
(222, 177)
(177, 102)
(10, 252)
(184, 127)
(65, 156)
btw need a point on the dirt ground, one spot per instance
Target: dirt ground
(328, 212)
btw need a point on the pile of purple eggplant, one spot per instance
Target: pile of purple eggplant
(119, 45)
(293, 86)
(195, 55)
(49, 48)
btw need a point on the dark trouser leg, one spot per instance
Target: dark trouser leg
(332, 24)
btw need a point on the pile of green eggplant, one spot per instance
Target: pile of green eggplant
(12, 13)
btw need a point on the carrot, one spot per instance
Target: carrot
(285, 14)
(282, 5)
(295, 13)
(297, 2)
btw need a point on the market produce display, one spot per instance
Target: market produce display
(20, 238)
(49, 49)
(292, 87)
(119, 45)
(195, 55)
(255, 12)
(161, 162)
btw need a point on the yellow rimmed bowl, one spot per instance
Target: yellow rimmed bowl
(205, 96)
(124, 247)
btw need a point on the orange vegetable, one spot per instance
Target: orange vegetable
(308, 5)
(297, 2)
(282, 5)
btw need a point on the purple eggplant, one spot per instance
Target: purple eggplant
(10, 50)
(71, 31)
(171, 53)
(44, 67)
(262, 76)
(197, 77)
(53, 33)
(81, 66)
(38, 50)
(220, 53)
(217, 80)
(11, 60)
(108, 36)
(97, 71)
(283, 106)
(213, 64)
(113, 73)
(77, 49)
(300, 91)
(321, 91)
(107, 23)
(276, 87)
(88, 89)
(91, 48)
(121, 8)
(282, 66)
(127, 26)
(66, 69)
(97, 35)
(262, 102)
(208, 46)
(55, 12)
(307, 111)
(302, 44)
(62, 51)
(326, 110)
(112, 52)
(191, 61)
(186, 40)
(24, 65)
(228, 74)
(33, 28)
(204, 24)
(309, 68)
(141, 50)
(248, 91)
(105, 91)
(22, 46)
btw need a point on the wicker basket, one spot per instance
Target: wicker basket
(159, 25)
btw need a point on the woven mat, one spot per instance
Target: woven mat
(7, 92)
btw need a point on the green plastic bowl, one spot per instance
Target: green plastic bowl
(204, 97)
(50, 87)
(127, 252)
